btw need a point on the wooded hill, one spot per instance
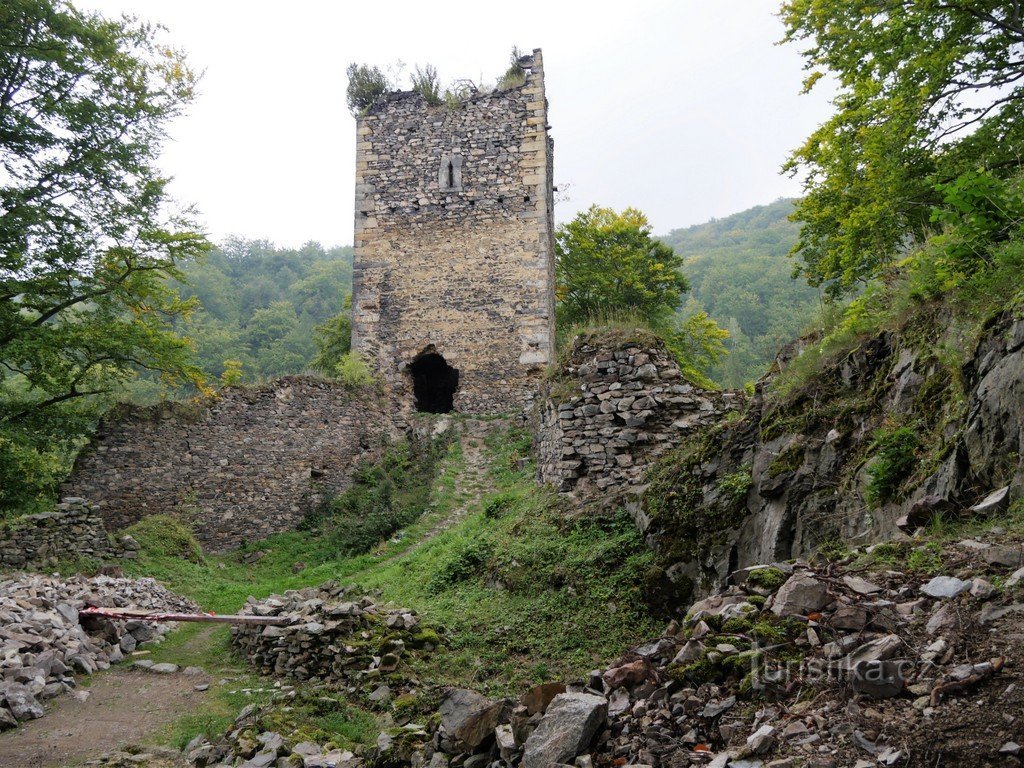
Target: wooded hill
(741, 275)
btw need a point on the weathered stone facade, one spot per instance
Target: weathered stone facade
(75, 527)
(242, 465)
(618, 405)
(454, 245)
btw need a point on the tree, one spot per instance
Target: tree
(333, 341)
(366, 84)
(88, 250)
(927, 90)
(608, 264)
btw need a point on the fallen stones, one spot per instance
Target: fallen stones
(993, 504)
(800, 595)
(44, 642)
(470, 718)
(945, 587)
(566, 729)
(878, 679)
(325, 637)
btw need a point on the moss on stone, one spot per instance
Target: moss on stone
(790, 460)
(766, 578)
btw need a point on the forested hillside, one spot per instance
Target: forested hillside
(260, 305)
(740, 275)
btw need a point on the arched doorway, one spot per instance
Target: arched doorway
(433, 382)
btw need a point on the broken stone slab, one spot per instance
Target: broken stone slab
(1005, 555)
(566, 730)
(945, 587)
(540, 696)
(21, 702)
(878, 679)
(470, 718)
(1015, 578)
(879, 649)
(923, 510)
(761, 740)
(800, 595)
(861, 586)
(990, 612)
(994, 504)
(943, 621)
(716, 605)
(715, 708)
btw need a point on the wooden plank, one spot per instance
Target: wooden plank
(141, 615)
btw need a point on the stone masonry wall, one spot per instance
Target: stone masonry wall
(617, 406)
(39, 541)
(460, 259)
(243, 465)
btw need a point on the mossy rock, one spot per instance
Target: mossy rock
(425, 637)
(768, 579)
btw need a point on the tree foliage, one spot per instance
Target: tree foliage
(927, 90)
(740, 275)
(268, 308)
(366, 84)
(609, 264)
(87, 246)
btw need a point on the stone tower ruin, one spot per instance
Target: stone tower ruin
(453, 297)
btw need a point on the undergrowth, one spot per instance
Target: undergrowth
(523, 590)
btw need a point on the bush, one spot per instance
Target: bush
(427, 84)
(353, 372)
(366, 84)
(496, 506)
(464, 564)
(893, 464)
(165, 536)
(384, 496)
(515, 75)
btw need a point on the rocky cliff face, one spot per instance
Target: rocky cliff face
(880, 440)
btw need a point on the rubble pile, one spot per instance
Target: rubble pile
(43, 644)
(335, 636)
(793, 664)
(894, 655)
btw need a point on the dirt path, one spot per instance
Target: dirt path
(123, 706)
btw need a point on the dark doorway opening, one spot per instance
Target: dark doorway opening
(433, 382)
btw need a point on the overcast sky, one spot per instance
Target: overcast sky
(684, 109)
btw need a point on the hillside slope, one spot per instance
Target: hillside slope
(739, 273)
(879, 435)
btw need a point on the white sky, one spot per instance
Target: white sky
(683, 109)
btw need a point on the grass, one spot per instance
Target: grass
(521, 591)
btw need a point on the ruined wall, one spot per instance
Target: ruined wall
(616, 406)
(75, 527)
(459, 258)
(243, 465)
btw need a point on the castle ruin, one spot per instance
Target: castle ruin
(453, 293)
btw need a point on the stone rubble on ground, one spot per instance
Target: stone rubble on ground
(831, 667)
(335, 636)
(43, 644)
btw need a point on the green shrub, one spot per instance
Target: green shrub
(736, 485)
(767, 578)
(353, 372)
(427, 84)
(385, 495)
(515, 75)
(497, 505)
(464, 564)
(162, 536)
(366, 84)
(895, 459)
